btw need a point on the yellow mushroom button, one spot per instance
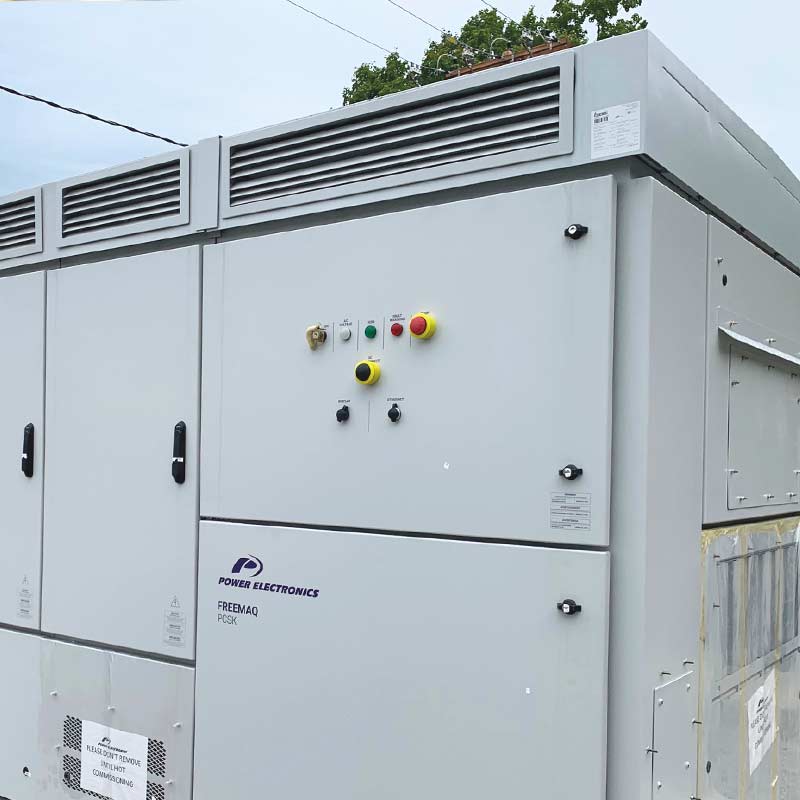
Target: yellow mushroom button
(422, 325)
(368, 372)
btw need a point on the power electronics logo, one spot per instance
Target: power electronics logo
(249, 567)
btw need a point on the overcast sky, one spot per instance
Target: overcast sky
(190, 69)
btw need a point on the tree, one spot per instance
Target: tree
(488, 34)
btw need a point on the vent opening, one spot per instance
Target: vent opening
(479, 122)
(133, 197)
(18, 223)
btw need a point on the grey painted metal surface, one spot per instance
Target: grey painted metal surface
(22, 302)
(421, 668)
(48, 689)
(122, 371)
(399, 651)
(752, 411)
(514, 385)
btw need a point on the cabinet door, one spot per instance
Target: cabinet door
(355, 666)
(459, 429)
(120, 531)
(21, 406)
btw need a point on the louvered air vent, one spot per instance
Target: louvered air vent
(18, 224)
(482, 122)
(138, 196)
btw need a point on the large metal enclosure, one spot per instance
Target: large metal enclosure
(445, 445)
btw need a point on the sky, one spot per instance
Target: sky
(191, 69)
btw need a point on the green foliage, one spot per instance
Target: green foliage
(487, 34)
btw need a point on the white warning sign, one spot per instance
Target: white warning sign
(617, 130)
(113, 763)
(571, 511)
(761, 721)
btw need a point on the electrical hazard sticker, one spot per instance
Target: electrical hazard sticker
(761, 721)
(113, 763)
(571, 511)
(616, 130)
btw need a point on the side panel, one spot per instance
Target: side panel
(120, 532)
(514, 384)
(353, 666)
(22, 774)
(752, 444)
(129, 698)
(21, 404)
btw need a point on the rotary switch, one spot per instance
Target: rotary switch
(422, 325)
(368, 372)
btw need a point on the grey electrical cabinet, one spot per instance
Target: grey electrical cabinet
(444, 445)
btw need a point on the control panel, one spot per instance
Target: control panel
(442, 370)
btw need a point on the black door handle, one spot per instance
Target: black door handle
(27, 451)
(179, 452)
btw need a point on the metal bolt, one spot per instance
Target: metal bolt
(771, 340)
(660, 701)
(111, 708)
(735, 383)
(732, 322)
(741, 498)
(686, 661)
(177, 724)
(720, 259)
(687, 765)
(659, 785)
(53, 694)
(688, 687)
(732, 471)
(769, 496)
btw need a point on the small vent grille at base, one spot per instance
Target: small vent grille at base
(479, 122)
(18, 223)
(132, 197)
(72, 780)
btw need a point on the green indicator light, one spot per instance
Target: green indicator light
(370, 331)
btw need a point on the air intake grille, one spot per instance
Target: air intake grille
(481, 122)
(132, 197)
(18, 223)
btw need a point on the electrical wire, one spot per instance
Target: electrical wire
(359, 36)
(494, 8)
(86, 114)
(417, 16)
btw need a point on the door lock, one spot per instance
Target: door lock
(569, 608)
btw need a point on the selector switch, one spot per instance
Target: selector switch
(343, 414)
(368, 372)
(395, 413)
(422, 325)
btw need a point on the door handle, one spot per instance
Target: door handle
(179, 453)
(27, 451)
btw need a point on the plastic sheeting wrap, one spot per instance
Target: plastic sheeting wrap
(750, 663)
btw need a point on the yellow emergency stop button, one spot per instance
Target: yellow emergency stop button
(368, 372)
(422, 325)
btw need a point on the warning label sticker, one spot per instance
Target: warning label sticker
(25, 595)
(113, 763)
(175, 624)
(761, 721)
(616, 130)
(571, 511)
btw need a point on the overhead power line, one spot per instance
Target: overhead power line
(417, 16)
(356, 35)
(494, 8)
(86, 114)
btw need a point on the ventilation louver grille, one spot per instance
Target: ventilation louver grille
(482, 122)
(18, 224)
(138, 196)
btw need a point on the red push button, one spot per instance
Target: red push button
(418, 325)
(397, 329)
(422, 325)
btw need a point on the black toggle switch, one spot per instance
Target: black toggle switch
(343, 414)
(576, 231)
(395, 413)
(570, 472)
(569, 607)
